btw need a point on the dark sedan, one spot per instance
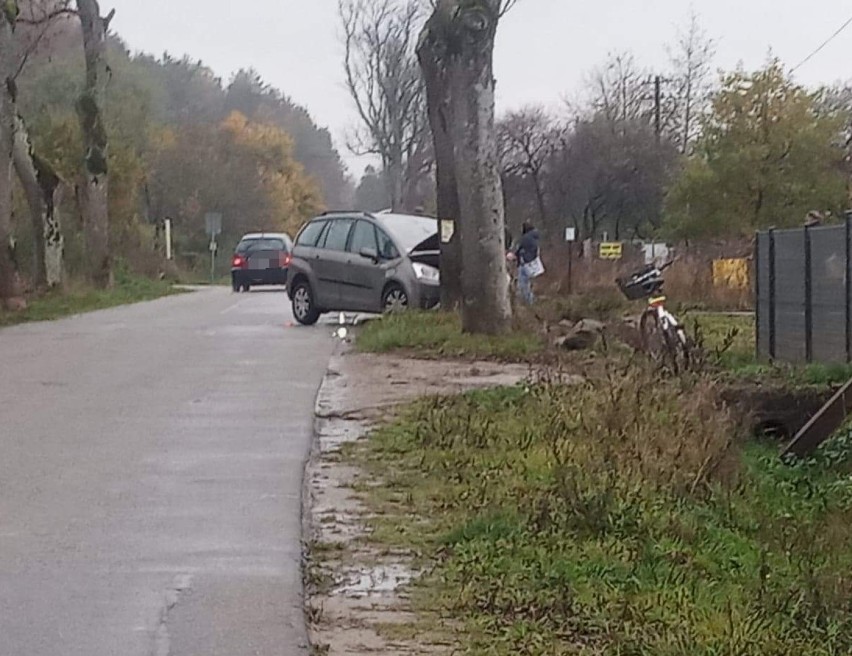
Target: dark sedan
(261, 259)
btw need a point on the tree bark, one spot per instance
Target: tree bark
(10, 288)
(434, 63)
(464, 34)
(43, 189)
(93, 190)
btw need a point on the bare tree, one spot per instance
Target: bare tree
(93, 190)
(457, 56)
(526, 139)
(691, 60)
(434, 62)
(612, 178)
(384, 81)
(620, 90)
(44, 191)
(42, 185)
(9, 279)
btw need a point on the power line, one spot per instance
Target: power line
(823, 45)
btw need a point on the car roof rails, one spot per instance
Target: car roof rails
(350, 212)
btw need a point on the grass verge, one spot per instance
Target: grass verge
(617, 517)
(439, 334)
(78, 299)
(733, 335)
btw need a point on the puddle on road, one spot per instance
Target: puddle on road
(379, 580)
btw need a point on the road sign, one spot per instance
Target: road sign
(570, 234)
(612, 250)
(213, 224)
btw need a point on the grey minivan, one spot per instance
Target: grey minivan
(361, 262)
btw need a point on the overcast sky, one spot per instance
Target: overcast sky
(545, 50)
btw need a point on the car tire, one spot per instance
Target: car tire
(395, 299)
(237, 287)
(304, 306)
(246, 287)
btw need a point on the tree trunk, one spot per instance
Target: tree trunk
(434, 64)
(93, 190)
(396, 182)
(486, 308)
(43, 189)
(10, 288)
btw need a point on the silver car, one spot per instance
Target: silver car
(359, 262)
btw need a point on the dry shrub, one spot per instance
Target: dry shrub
(688, 282)
(625, 441)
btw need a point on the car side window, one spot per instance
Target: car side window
(311, 233)
(338, 234)
(363, 237)
(387, 249)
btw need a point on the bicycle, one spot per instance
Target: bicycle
(664, 338)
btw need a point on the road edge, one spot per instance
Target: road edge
(322, 405)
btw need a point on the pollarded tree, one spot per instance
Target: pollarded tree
(457, 58)
(93, 190)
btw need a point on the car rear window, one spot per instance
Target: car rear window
(248, 245)
(310, 234)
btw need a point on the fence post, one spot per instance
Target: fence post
(848, 287)
(809, 300)
(772, 321)
(757, 298)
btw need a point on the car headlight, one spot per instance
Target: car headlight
(426, 273)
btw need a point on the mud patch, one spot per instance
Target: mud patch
(357, 599)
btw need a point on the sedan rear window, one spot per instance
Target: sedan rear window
(249, 245)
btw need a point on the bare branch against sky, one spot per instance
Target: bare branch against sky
(545, 49)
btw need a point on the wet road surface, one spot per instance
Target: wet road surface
(150, 477)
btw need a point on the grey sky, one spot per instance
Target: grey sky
(545, 49)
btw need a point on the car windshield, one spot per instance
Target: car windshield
(408, 231)
(265, 244)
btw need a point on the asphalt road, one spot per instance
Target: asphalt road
(150, 478)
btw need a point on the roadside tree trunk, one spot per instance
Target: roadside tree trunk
(10, 287)
(464, 33)
(93, 190)
(43, 189)
(434, 63)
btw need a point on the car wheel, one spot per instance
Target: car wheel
(395, 299)
(236, 286)
(246, 287)
(304, 308)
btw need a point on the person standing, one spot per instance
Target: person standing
(528, 254)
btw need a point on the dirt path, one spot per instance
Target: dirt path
(357, 601)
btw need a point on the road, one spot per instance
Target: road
(150, 479)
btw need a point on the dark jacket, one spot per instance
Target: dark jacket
(528, 249)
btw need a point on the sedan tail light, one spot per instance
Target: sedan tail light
(286, 260)
(238, 262)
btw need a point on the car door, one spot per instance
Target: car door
(330, 263)
(366, 275)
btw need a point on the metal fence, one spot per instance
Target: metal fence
(804, 300)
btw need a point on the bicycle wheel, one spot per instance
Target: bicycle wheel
(667, 346)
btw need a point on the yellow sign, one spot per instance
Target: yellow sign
(612, 250)
(731, 273)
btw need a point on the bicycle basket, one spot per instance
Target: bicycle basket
(641, 285)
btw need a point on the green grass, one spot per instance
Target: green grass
(439, 334)
(79, 299)
(615, 518)
(733, 337)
